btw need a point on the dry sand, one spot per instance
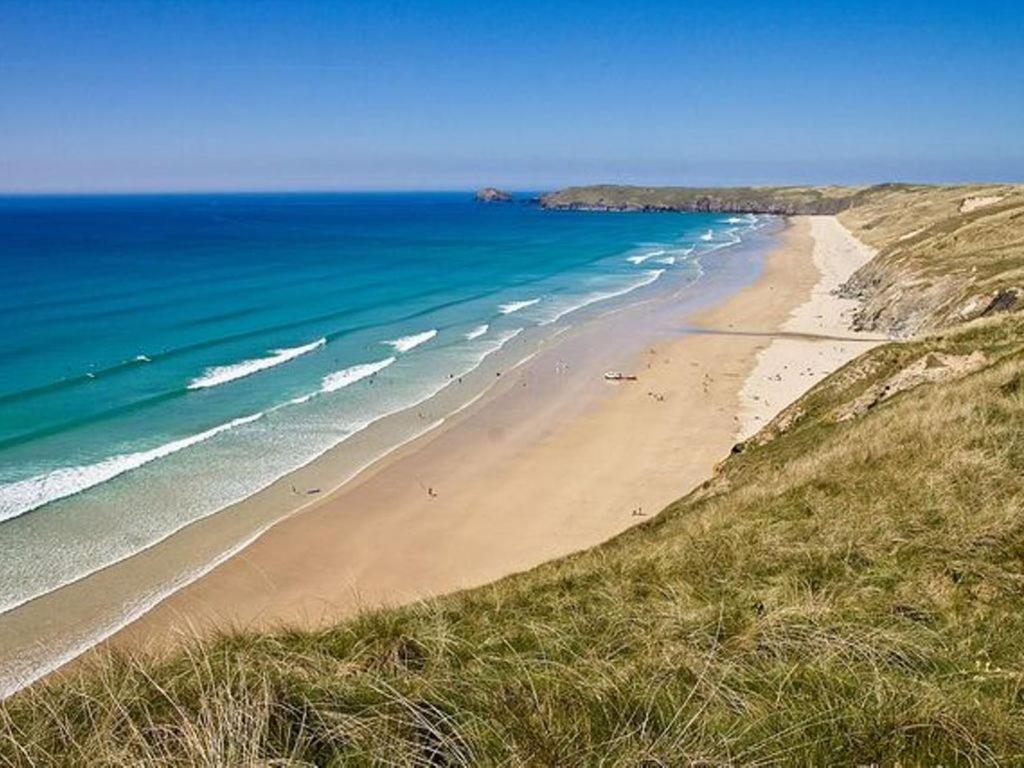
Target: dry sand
(816, 339)
(974, 203)
(545, 466)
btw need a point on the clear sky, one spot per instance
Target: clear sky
(207, 95)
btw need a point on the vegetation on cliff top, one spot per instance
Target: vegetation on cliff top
(947, 254)
(777, 200)
(849, 588)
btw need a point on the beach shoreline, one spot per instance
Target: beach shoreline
(47, 632)
(547, 460)
(516, 481)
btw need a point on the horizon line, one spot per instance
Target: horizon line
(456, 190)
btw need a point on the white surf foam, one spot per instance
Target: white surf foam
(22, 496)
(649, 277)
(477, 332)
(222, 374)
(641, 258)
(749, 219)
(504, 339)
(670, 260)
(734, 239)
(35, 669)
(405, 343)
(708, 236)
(515, 306)
(332, 382)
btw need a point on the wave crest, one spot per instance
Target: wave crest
(23, 496)
(405, 343)
(514, 306)
(222, 374)
(343, 378)
(477, 332)
(649, 277)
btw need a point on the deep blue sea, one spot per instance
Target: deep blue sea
(165, 356)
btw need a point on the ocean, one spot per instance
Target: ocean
(167, 356)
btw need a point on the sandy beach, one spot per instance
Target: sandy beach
(553, 461)
(512, 421)
(816, 338)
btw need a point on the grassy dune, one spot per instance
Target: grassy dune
(947, 254)
(847, 589)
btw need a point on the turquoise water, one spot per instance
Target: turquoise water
(167, 356)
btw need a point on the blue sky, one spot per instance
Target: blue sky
(177, 95)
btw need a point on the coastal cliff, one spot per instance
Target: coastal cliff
(784, 201)
(946, 254)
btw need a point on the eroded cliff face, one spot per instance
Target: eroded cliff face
(946, 255)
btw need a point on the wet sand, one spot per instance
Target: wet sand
(553, 460)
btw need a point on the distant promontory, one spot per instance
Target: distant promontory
(785, 201)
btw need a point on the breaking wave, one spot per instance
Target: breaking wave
(222, 374)
(649, 277)
(515, 306)
(641, 258)
(405, 343)
(23, 496)
(343, 378)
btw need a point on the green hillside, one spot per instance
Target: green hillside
(947, 254)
